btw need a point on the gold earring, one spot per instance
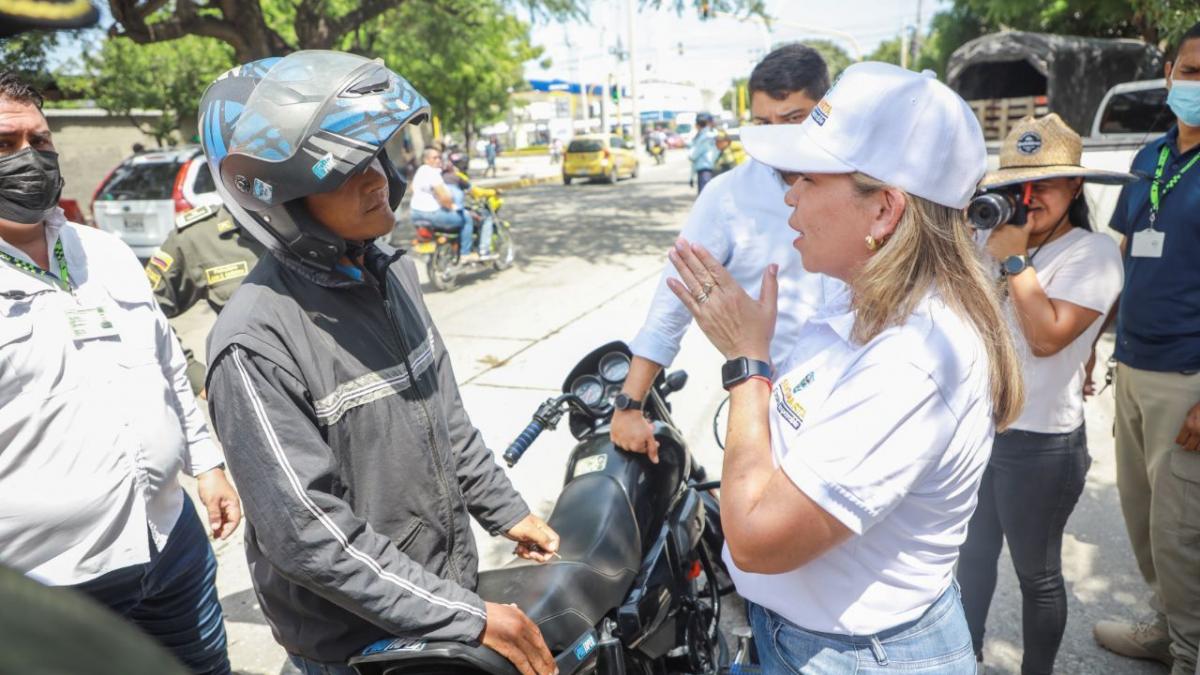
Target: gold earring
(871, 243)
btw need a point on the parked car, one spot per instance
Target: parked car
(139, 199)
(674, 140)
(1130, 115)
(601, 156)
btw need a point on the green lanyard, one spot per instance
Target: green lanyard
(63, 280)
(1159, 191)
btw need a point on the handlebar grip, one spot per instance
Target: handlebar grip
(519, 446)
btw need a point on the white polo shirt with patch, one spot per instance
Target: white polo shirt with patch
(891, 438)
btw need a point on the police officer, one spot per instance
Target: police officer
(205, 257)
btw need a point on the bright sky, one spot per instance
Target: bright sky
(716, 51)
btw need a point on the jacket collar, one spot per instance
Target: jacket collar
(374, 259)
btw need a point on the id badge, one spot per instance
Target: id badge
(1148, 243)
(90, 323)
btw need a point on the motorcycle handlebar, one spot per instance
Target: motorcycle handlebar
(519, 446)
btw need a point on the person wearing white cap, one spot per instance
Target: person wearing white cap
(851, 469)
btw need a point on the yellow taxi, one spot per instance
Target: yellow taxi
(601, 156)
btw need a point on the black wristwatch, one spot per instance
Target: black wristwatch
(624, 401)
(737, 371)
(1014, 265)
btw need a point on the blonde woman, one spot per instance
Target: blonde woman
(851, 470)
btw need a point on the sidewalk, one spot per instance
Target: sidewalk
(513, 172)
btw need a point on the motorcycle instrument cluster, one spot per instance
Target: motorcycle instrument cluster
(589, 389)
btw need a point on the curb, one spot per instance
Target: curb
(515, 183)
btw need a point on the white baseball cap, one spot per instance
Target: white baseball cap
(897, 126)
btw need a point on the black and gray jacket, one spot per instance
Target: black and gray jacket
(357, 465)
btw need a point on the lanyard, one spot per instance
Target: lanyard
(63, 280)
(1159, 191)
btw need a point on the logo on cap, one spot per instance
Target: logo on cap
(1029, 143)
(821, 112)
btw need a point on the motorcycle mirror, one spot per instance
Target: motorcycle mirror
(675, 381)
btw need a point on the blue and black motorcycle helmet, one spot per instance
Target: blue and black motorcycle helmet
(282, 128)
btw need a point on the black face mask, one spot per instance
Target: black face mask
(30, 185)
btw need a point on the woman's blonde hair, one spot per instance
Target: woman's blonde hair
(932, 248)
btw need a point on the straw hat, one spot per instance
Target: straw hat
(1037, 149)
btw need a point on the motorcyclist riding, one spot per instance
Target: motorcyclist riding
(433, 200)
(331, 389)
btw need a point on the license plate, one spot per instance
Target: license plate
(425, 247)
(135, 223)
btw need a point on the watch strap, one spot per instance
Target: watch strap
(737, 371)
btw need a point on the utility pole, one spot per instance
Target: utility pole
(635, 125)
(916, 39)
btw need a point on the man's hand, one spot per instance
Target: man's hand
(516, 638)
(631, 431)
(221, 501)
(535, 540)
(1189, 435)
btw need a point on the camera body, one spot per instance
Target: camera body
(1007, 205)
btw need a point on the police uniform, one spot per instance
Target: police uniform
(205, 257)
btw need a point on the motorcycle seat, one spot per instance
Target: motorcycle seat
(600, 549)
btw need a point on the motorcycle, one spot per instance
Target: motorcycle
(441, 245)
(637, 585)
(658, 153)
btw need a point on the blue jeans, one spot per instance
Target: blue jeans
(938, 643)
(461, 219)
(173, 598)
(702, 178)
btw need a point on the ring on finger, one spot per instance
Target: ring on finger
(702, 298)
(707, 287)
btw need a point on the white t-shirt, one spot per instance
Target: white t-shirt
(741, 219)
(891, 438)
(423, 183)
(1085, 269)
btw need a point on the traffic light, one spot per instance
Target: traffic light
(616, 94)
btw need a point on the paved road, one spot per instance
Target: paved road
(589, 257)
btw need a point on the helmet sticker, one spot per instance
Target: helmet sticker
(323, 166)
(263, 190)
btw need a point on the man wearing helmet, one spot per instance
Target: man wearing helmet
(331, 389)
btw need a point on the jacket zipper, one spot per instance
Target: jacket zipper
(412, 377)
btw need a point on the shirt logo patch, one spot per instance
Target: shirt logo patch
(237, 270)
(803, 383)
(820, 113)
(787, 406)
(154, 277)
(226, 226)
(162, 260)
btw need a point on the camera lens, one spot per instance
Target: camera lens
(989, 210)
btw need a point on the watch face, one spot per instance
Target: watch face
(1014, 264)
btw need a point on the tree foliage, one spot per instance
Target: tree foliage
(168, 76)
(28, 54)
(259, 28)
(466, 64)
(836, 58)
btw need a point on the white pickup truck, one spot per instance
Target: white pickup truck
(1130, 115)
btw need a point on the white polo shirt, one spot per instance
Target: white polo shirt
(891, 438)
(741, 219)
(93, 431)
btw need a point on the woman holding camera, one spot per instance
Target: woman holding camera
(851, 470)
(1060, 279)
